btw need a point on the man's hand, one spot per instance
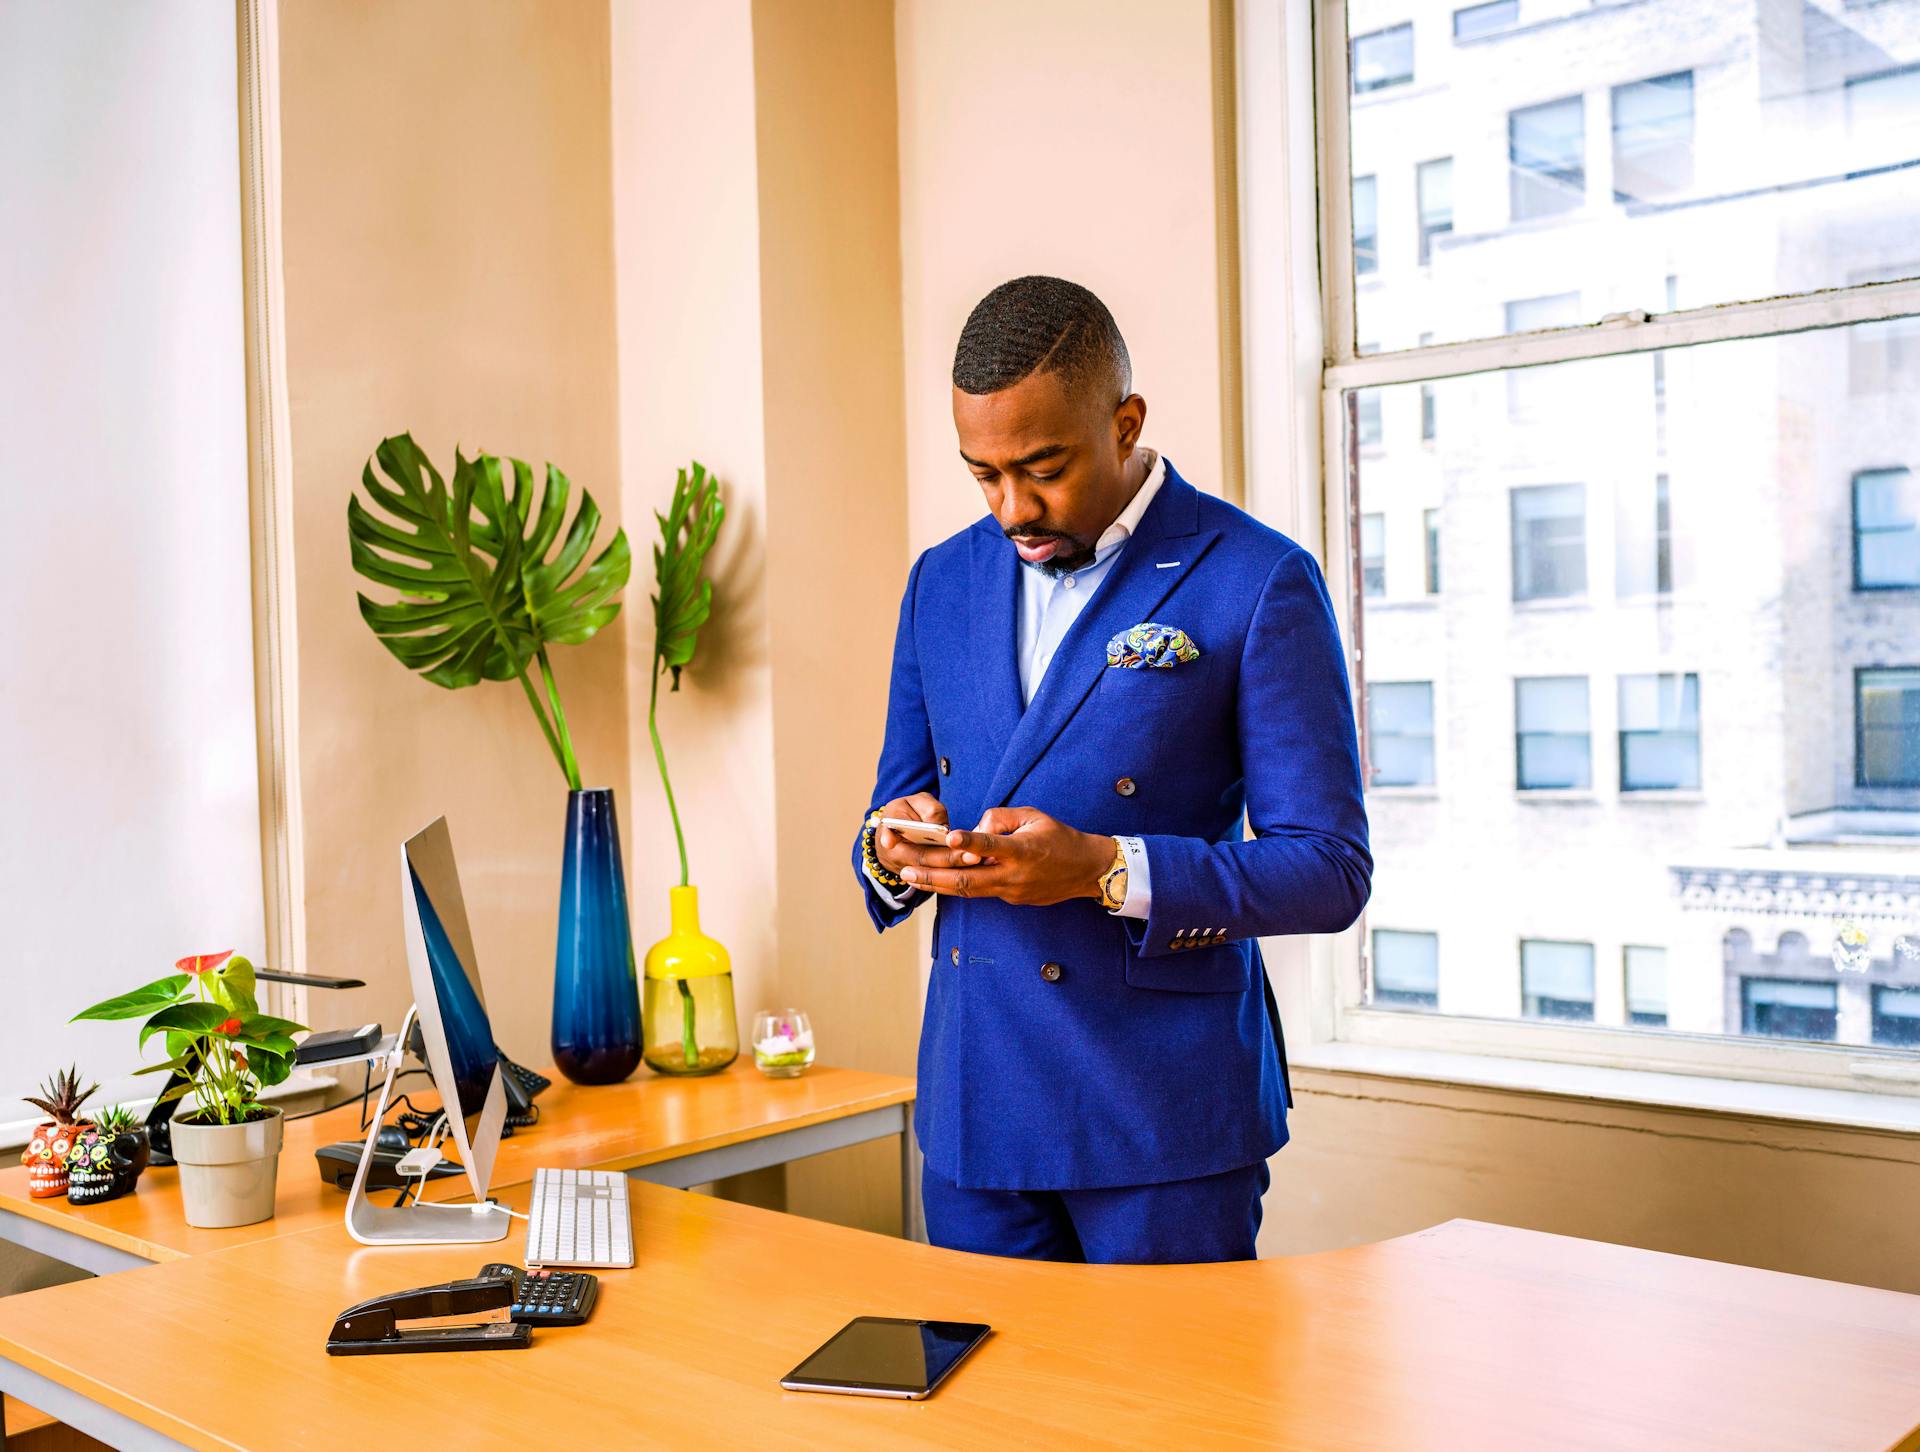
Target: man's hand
(1022, 856)
(896, 853)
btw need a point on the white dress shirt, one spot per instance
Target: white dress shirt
(1049, 604)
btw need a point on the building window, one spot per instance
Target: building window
(1896, 1016)
(1646, 974)
(1547, 145)
(1366, 226)
(1883, 115)
(1553, 750)
(1541, 392)
(1886, 703)
(1400, 732)
(1549, 541)
(1383, 58)
(1556, 980)
(1882, 357)
(1886, 530)
(1373, 555)
(1789, 1008)
(1473, 21)
(1433, 184)
(1406, 969)
(1432, 521)
(1653, 137)
(1429, 416)
(1643, 540)
(1660, 733)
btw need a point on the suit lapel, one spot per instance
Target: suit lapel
(993, 635)
(1161, 553)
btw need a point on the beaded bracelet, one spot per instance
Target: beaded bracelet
(872, 861)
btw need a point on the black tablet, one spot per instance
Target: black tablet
(880, 1356)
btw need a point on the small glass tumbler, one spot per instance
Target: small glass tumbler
(782, 1042)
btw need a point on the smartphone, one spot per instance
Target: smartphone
(927, 834)
(882, 1356)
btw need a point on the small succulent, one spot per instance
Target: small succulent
(117, 1120)
(61, 1096)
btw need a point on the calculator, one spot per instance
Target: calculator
(548, 1298)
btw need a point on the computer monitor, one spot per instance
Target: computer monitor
(458, 1038)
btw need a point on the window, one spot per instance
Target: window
(1789, 1008)
(1383, 58)
(1549, 541)
(1887, 708)
(1433, 182)
(1547, 148)
(1373, 554)
(1674, 497)
(1653, 137)
(1366, 407)
(1659, 733)
(1646, 972)
(1400, 732)
(1366, 225)
(1474, 21)
(1643, 537)
(1552, 748)
(1886, 530)
(1556, 979)
(1896, 1016)
(1406, 969)
(1432, 520)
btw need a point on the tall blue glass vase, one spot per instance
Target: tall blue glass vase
(596, 992)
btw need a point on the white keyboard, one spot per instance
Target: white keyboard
(579, 1218)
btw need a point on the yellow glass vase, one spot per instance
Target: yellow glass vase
(688, 1021)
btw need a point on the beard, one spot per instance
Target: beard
(1073, 554)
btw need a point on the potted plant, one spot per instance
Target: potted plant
(107, 1157)
(689, 1016)
(487, 580)
(228, 1143)
(46, 1153)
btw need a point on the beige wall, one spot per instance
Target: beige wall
(1373, 1157)
(1075, 138)
(449, 271)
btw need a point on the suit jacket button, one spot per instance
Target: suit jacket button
(946, 767)
(1050, 972)
(1125, 786)
(956, 957)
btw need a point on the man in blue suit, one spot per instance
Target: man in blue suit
(1104, 678)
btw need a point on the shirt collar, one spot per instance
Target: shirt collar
(1121, 530)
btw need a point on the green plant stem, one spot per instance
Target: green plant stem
(563, 748)
(660, 756)
(689, 1045)
(546, 730)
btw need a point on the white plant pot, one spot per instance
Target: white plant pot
(228, 1171)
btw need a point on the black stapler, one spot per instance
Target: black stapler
(373, 1328)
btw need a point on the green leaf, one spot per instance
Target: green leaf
(175, 1065)
(482, 589)
(157, 994)
(266, 1023)
(193, 1017)
(232, 985)
(684, 601)
(270, 1043)
(269, 1069)
(179, 1091)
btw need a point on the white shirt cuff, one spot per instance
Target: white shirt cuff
(1139, 899)
(906, 893)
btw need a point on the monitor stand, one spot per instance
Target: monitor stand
(417, 1223)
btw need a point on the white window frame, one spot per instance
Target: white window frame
(1301, 363)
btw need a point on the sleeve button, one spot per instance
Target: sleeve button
(1050, 972)
(956, 957)
(946, 767)
(1125, 786)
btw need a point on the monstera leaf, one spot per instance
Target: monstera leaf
(687, 532)
(482, 589)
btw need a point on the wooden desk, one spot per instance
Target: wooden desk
(677, 1132)
(1463, 1336)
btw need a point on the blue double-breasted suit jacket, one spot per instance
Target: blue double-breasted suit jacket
(1064, 1047)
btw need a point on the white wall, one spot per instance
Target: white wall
(130, 800)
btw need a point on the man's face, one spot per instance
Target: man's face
(1054, 468)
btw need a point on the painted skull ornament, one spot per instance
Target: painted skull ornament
(102, 1166)
(46, 1159)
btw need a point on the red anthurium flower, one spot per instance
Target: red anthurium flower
(202, 962)
(229, 1028)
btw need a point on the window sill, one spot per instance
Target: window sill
(1555, 795)
(1659, 794)
(1405, 793)
(1789, 1103)
(1426, 603)
(1549, 603)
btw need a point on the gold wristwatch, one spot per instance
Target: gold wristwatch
(1113, 882)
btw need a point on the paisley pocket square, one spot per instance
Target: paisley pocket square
(1149, 644)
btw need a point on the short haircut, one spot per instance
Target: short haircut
(1042, 325)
